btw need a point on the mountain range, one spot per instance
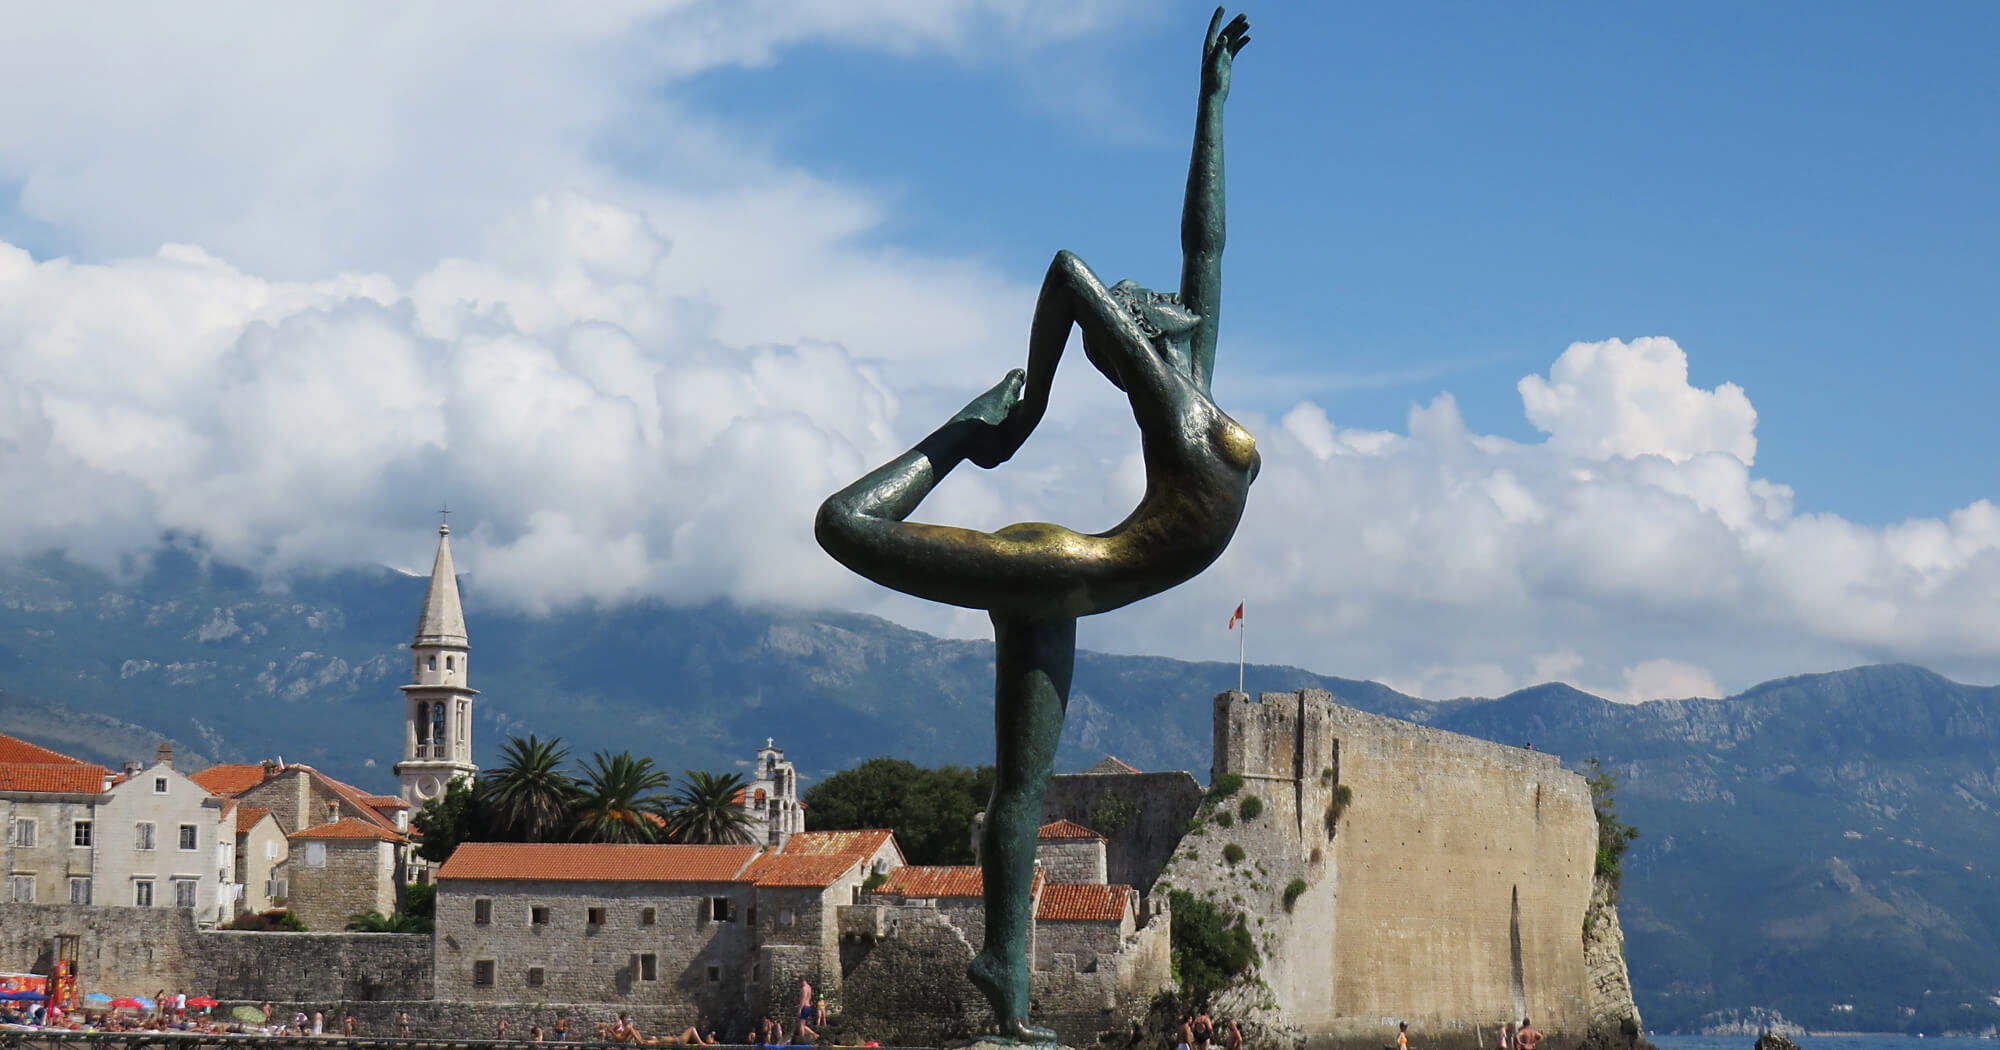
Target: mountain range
(1824, 845)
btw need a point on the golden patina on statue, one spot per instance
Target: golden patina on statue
(1035, 578)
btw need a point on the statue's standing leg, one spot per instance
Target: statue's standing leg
(1033, 661)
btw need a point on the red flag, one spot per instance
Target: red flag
(1236, 617)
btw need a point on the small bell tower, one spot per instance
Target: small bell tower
(437, 736)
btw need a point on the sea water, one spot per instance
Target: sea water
(1825, 1042)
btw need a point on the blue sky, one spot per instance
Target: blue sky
(1431, 197)
(1636, 347)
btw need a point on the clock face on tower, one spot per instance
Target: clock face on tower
(427, 787)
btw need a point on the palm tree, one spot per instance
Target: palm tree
(622, 801)
(528, 798)
(705, 809)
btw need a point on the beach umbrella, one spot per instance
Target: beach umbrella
(128, 1003)
(248, 1014)
(146, 1003)
(202, 1002)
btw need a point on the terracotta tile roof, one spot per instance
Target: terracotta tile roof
(248, 816)
(1081, 902)
(73, 779)
(597, 862)
(231, 779)
(1066, 829)
(1112, 764)
(348, 828)
(858, 845)
(357, 798)
(783, 869)
(920, 880)
(14, 749)
(387, 802)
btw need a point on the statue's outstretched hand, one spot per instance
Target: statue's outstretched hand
(1219, 52)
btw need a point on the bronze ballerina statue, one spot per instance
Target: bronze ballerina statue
(1035, 578)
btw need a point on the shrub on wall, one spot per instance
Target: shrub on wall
(1211, 947)
(1225, 818)
(1232, 853)
(1293, 890)
(1225, 785)
(1250, 808)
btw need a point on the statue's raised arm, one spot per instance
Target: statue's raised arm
(1202, 234)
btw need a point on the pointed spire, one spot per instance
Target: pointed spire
(443, 621)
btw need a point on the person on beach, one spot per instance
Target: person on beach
(1403, 1036)
(347, 1026)
(500, 1030)
(403, 1024)
(1203, 1029)
(1184, 1036)
(561, 1034)
(603, 1031)
(534, 1033)
(1234, 1040)
(1527, 1038)
(1506, 1035)
(319, 1023)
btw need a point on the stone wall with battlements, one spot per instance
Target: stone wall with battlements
(1449, 891)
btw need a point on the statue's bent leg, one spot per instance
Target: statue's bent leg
(1033, 662)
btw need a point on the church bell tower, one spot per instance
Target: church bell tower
(437, 738)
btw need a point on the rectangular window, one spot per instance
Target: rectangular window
(535, 976)
(648, 916)
(756, 972)
(142, 893)
(159, 785)
(720, 908)
(594, 916)
(482, 912)
(188, 836)
(715, 975)
(22, 833)
(79, 891)
(482, 973)
(79, 833)
(184, 892)
(752, 919)
(787, 918)
(538, 916)
(21, 889)
(315, 854)
(649, 967)
(145, 834)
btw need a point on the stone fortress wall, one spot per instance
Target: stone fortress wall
(138, 951)
(1450, 892)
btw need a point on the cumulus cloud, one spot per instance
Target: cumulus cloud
(400, 267)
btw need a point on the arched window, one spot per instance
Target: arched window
(437, 730)
(759, 800)
(448, 662)
(432, 663)
(423, 727)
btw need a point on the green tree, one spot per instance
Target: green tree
(1211, 948)
(1614, 836)
(705, 809)
(930, 810)
(376, 922)
(622, 800)
(449, 819)
(528, 797)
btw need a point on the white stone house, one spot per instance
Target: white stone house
(164, 841)
(151, 837)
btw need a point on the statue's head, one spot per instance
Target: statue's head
(1160, 315)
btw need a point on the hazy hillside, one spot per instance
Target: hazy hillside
(1816, 842)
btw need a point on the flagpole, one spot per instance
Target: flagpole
(1242, 627)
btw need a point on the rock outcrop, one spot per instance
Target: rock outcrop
(1614, 1017)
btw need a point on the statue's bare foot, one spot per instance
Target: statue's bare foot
(1006, 989)
(1002, 436)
